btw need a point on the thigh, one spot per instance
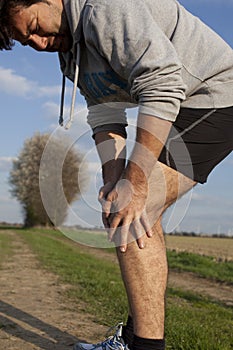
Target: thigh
(199, 140)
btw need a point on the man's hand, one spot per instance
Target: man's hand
(124, 214)
(123, 197)
(106, 205)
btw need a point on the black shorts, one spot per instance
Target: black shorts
(198, 141)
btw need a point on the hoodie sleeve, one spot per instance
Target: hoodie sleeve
(128, 37)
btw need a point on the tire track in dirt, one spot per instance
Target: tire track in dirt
(188, 281)
(33, 312)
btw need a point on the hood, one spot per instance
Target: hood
(69, 61)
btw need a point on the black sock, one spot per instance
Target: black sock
(127, 332)
(147, 344)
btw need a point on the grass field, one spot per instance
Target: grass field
(203, 266)
(192, 322)
(220, 248)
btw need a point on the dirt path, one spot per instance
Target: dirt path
(189, 282)
(34, 314)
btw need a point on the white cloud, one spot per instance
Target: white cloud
(51, 109)
(48, 90)
(17, 85)
(197, 197)
(203, 198)
(6, 163)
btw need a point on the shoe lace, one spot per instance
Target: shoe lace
(115, 342)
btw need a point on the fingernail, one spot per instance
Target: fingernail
(141, 246)
(122, 249)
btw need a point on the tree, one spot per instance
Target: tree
(46, 178)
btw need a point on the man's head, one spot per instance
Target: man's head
(41, 24)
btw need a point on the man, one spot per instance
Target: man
(154, 54)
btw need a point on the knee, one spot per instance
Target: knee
(156, 203)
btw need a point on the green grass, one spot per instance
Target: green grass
(196, 323)
(203, 266)
(192, 322)
(90, 238)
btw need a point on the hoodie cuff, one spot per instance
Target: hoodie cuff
(116, 128)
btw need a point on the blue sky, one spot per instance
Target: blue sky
(29, 99)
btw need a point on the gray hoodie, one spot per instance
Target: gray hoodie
(149, 53)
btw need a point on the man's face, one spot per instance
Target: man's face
(43, 26)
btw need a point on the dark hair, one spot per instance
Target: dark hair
(6, 8)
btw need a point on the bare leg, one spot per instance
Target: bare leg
(145, 274)
(144, 271)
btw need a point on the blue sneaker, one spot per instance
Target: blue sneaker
(114, 342)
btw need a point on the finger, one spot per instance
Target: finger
(114, 221)
(106, 208)
(105, 221)
(108, 203)
(103, 192)
(102, 195)
(138, 230)
(146, 224)
(123, 238)
(120, 237)
(140, 242)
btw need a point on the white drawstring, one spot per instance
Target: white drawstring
(71, 118)
(76, 75)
